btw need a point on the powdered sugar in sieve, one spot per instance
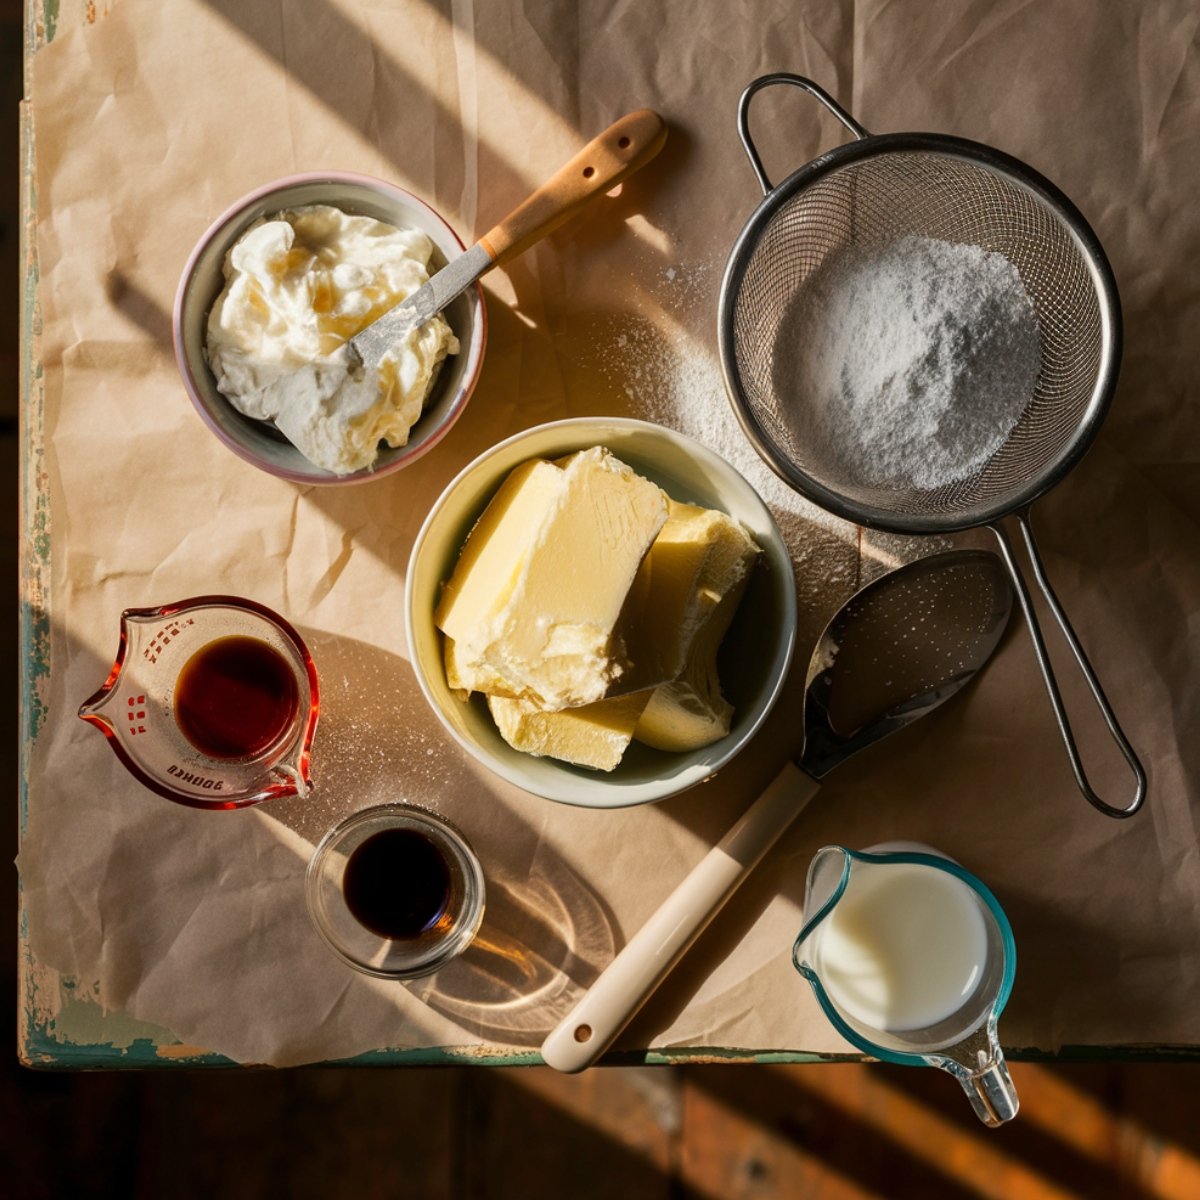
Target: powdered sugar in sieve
(912, 359)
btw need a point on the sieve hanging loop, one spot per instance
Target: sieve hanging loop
(1081, 659)
(796, 81)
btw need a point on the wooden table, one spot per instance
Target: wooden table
(60, 1023)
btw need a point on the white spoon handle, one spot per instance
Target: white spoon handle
(609, 1004)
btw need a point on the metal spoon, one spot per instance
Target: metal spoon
(893, 652)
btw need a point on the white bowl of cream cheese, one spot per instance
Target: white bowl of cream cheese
(755, 653)
(251, 355)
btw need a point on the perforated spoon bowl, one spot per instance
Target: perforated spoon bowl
(893, 652)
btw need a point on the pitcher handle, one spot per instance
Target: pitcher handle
(990, 1090)
(1081, 660)
(799, 81)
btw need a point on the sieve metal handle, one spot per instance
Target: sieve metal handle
(1081, 659)
(799, 81)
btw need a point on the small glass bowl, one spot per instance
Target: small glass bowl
(372, 952)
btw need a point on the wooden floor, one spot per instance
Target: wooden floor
(1099, 1130)
(827, 1131)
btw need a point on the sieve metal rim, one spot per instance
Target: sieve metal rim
(1013, 171)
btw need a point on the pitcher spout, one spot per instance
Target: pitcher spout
(95, 709)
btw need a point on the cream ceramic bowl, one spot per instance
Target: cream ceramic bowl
(259, 442)
(754, 656)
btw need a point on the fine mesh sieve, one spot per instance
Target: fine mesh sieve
(873, 191)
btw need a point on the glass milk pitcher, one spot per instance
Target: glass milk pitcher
(912, 959)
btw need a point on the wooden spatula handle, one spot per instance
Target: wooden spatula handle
(625, 984)
(621, 149)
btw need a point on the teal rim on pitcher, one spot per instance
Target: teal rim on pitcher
(963, 1041)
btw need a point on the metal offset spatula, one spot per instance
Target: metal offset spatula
(604, 162)
(893, 652)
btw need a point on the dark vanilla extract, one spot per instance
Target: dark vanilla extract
(397, 884)
(235, 698)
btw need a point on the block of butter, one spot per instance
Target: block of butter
(532, 608)
(677, 613)
(593, 735)
(699, 556)
(707, 557)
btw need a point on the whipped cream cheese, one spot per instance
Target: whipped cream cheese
(298, 286)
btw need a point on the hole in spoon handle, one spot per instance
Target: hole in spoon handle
(607, 160)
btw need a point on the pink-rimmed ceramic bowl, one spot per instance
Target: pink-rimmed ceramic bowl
(259, 442)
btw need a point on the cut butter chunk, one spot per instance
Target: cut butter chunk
(689, 712)
(493, 556)
(593, 735)
(493, 685)
(534, 601)
(699, 556)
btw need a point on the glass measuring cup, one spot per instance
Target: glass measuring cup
(238, 731)
(912, 959)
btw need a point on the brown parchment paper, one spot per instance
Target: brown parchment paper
(151, 122)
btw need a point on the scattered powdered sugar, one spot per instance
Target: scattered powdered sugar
(662, 359)
(666, 366)
(912, 360)
(377, 741)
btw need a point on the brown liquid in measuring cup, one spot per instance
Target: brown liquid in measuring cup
(235, 698)
(397, 884)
